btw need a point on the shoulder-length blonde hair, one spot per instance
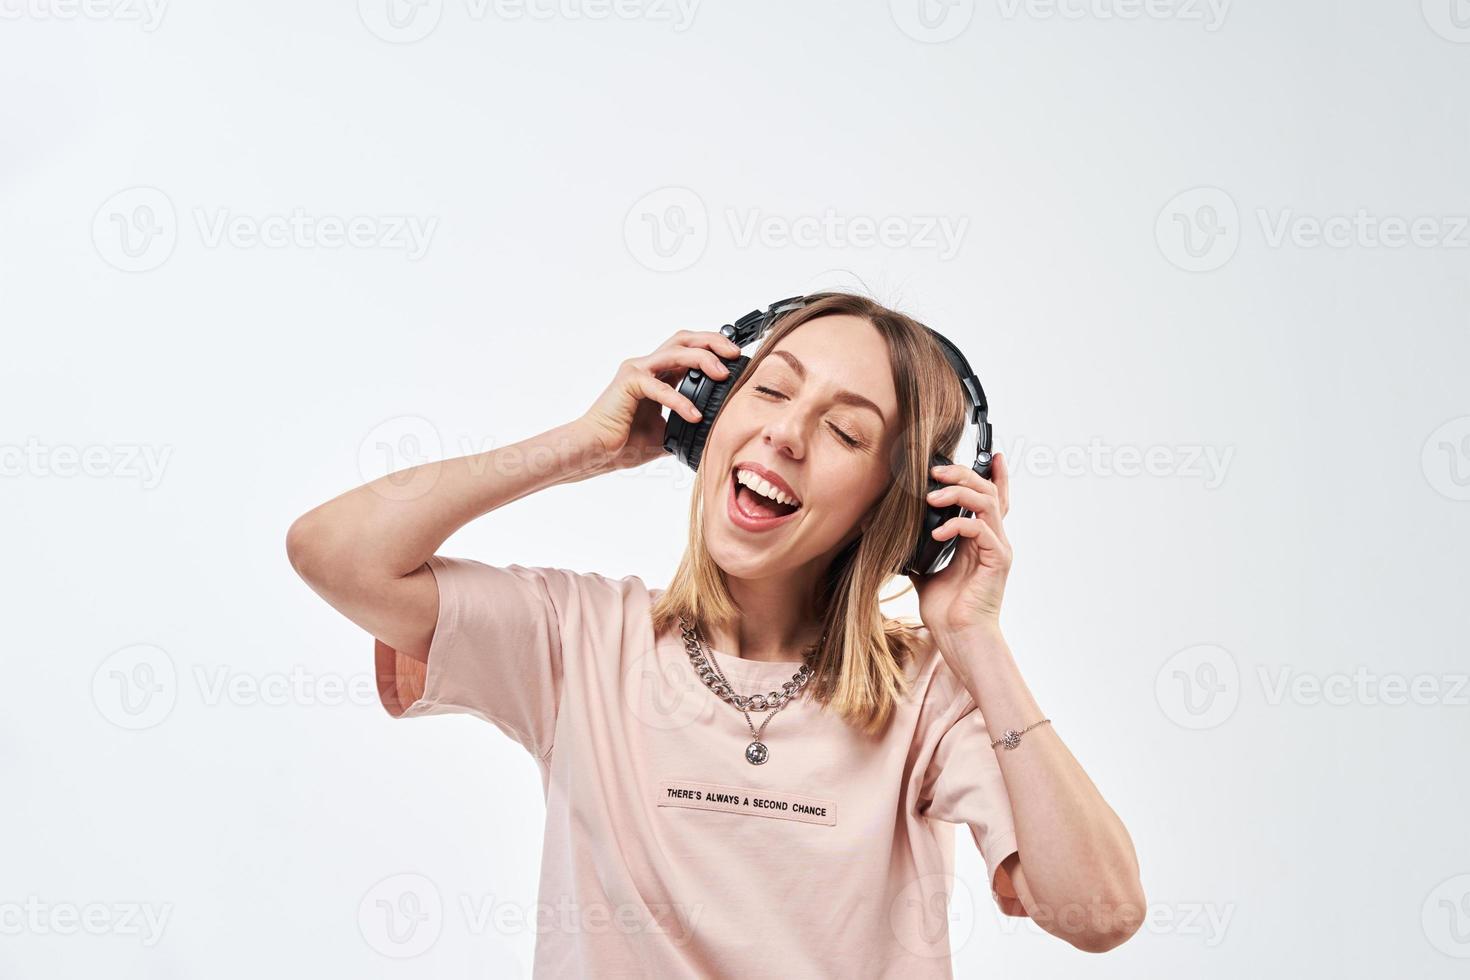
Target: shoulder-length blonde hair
(859, 669)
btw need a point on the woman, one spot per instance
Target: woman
(752, 771)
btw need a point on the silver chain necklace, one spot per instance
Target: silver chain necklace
(709, 671)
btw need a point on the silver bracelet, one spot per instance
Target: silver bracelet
(1012, 738)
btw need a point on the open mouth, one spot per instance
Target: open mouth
(759, 500)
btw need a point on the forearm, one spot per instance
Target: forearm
(389, 527)
(1078, 860)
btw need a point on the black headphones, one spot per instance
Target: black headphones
(686, 439)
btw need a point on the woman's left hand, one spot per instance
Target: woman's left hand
(965, 595)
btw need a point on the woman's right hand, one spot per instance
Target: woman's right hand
(627, 420)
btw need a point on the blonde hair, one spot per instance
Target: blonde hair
(859, 666)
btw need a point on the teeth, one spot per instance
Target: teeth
(764, 488)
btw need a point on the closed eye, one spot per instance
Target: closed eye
(840, 433)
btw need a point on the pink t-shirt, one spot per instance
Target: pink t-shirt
(666, 853)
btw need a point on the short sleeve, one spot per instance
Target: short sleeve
(497, 647)
(964, 784)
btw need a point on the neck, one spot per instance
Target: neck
(777, 621)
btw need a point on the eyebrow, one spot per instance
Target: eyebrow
(843, 396)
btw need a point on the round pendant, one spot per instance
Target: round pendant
(756, 753)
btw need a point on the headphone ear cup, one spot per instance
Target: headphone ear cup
(928, 553)
(686, 439)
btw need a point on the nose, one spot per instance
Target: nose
(785, 433)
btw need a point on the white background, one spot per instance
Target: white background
(1135, 188)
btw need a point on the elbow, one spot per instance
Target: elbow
(1103, 940)
(306, 548)
(1120, 919)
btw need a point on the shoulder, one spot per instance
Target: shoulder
(564, 588)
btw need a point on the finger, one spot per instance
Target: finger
(650, 387)
(708, 339)
(666, 359)
(974, 500)
(964, 476)
(971, 527)
(1001, 474)
(983, 505)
